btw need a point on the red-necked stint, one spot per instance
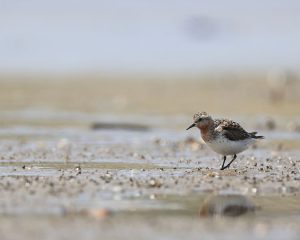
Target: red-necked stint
(223, 136)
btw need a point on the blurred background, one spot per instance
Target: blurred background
(138, 70)
(70, 59)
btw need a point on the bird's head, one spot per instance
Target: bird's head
(201, 120)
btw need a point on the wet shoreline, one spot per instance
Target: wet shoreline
(79, 168)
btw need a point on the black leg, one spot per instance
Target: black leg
(228, 165)
(222, 168)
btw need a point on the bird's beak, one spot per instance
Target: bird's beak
(193, 125)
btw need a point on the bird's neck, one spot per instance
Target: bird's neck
(207, 131)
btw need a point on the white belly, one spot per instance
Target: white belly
(224, 146)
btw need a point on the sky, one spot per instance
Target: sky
(143, 35)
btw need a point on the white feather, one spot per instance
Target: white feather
(225, 147)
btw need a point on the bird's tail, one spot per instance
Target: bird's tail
(253, 135)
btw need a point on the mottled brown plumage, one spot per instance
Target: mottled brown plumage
(231, 130)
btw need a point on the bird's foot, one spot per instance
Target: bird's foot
(224, 167)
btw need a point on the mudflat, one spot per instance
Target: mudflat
(61, 177)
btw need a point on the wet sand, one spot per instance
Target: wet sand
(63, 179)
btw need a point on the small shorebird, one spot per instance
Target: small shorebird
(224, 136)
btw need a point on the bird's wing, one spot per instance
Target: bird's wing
(231, 130)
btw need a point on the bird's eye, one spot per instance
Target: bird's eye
(199, 120)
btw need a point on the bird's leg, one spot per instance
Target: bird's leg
(228, 165)
(224, 160)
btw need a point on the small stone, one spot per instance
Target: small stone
(78, 170)
(99, 213)
(152, 196)
(154, 183)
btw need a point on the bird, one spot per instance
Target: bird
(223, 136)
